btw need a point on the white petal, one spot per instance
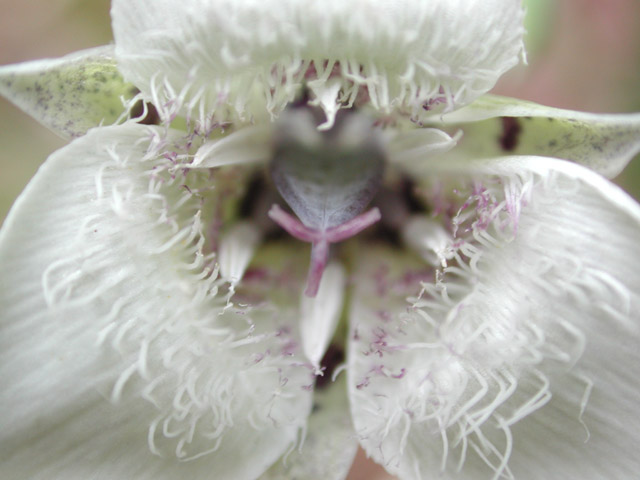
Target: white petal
(119, 359)
(69, 95)
(321, 313)
(238, 59)
(247, 145)
(329, 445)
(503, 126)
(520, 359)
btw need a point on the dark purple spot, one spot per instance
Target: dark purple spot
(332, 358)
(511, 130)
(151, 117)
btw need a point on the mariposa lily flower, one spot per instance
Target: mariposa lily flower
(471, 269)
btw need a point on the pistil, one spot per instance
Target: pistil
(320, 239)
(327, 178)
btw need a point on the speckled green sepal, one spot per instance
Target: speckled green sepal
(71, 94)
(495, 126)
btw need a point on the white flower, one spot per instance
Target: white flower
(154, 321)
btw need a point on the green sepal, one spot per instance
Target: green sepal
(69, 95)
(495, 126)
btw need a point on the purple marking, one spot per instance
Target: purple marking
(364, 383)
(289, 349)
(381, 280)
(255, 275)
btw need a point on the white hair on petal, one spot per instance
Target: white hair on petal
(200, 362)
(242, 59)
(473, 365)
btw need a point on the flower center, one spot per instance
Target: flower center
(327, 178)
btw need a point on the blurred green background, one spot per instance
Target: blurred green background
(583, 55)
